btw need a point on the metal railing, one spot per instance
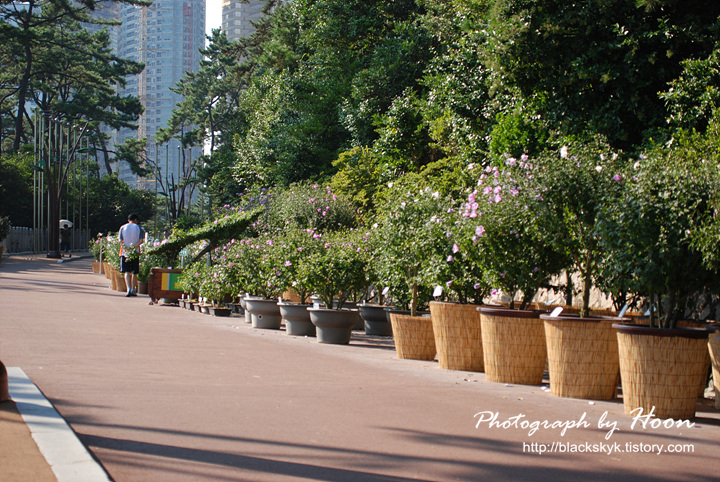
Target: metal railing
(28, 240)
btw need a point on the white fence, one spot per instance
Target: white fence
(27, 240)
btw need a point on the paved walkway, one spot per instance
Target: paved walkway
(160, 393)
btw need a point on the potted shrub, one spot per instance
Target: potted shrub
(457, 270)
(403, 247)
(650, 234)
(335, 272)
(255, 272)
(289, 252)
(519, 257)
(574, 185)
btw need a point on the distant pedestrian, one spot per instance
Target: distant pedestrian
(131, 236)
(64, 239)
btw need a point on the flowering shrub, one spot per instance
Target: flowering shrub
(290, 250)
(252, 267)
(654, 232)
(404, 244)
(575, 184)
(335, 269)
(510, 239)
(309, 206)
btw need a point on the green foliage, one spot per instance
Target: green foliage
(403, 243)
(309, 206)
(112, 201)
(576, 184)
(651, 231)
(16, 189)
(599, 65)
(512, 243)
(361, 174)
(335, 269)
(695, 95)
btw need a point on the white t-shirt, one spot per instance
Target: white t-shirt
(130, 234)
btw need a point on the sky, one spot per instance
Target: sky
(213, 15)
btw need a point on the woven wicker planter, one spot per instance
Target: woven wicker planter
(120, 284)
(458, 336)
(714, 349)
(96, 267)
(413, 336)
(514, 348)
(582, 356)
(661, 369)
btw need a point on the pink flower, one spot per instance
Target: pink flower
(288, 263)
(450, 259)
(455, 248)
(617, 177)
(480, 230)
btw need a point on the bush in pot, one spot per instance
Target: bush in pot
(404, 249)
(651, 235)
(519, 256)
(335, 272)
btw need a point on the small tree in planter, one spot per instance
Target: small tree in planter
(290, 251)
(574, 185)
(404, 245)
(650, 236)
(335, 269)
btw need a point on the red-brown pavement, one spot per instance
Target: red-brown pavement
(160, 393)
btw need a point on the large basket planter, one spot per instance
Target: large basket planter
(458, 336)
(333, 326)
(375, 320)
(514, 348)
(413, 336)
(96, 267)
(714, 349)
(661, 369)
(297, 319)
(264, 313)
(582, 356)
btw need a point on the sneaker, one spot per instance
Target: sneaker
(132, 293)
(129, 294)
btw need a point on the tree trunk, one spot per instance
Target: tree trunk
(22, 94)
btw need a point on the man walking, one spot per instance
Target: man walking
(131, 236)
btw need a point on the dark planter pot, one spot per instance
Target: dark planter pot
(661, 369)
(582, 356)
(375, 319)
(220, 311)
(333, 326)
(265, 314)
(297, 319)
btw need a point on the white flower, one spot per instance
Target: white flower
(564, 152)
(598, 168)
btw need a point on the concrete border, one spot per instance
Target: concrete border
(68, 458)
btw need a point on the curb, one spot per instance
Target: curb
(67, 456)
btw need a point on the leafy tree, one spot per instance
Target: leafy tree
(598, 66)
(16, 189)
(38, 30)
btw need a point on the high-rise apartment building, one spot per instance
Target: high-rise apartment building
(237, 17)
(166, 37)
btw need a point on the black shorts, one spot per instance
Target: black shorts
(132, 266)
